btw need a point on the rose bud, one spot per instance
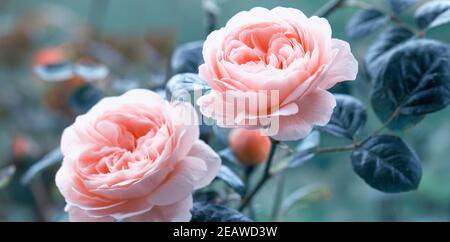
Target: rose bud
(251, 147)
(276, 56)
(134, 158)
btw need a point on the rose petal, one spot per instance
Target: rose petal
(177, 212)
(314, 109)
(212, 160)
(344, 67)
(186, 175)
(79, 215)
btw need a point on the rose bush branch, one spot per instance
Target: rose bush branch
(263, 180)
(392, 17)
(386, 124)
(355, 143)
(335, 149)
(330, 7)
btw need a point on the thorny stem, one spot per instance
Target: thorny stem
(265, 177)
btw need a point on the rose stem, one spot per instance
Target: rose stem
(330, 7)
(266, 176)
(386, 124)
(394, 19)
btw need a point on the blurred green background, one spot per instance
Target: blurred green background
(342, 197)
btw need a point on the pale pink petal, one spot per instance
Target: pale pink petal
(344, 67)
(189, 172)
(140, 187)
(314, 109)
(177, 212)
(79, 215)
(185, 124)
(71, 143)
(212, 160)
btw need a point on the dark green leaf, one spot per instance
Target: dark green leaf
(342, 88)
(187, 58)
(54, 72)
(205, 132)
(228, 156)
(383, 47)
(399, 6)
(182, 86)
(204, 212)
(365, 22)
(305, 150)
(83, 98)
(348, 118)
(415, 82)
(433, 14)
(207, 196)
(54, 157)
(387, 164)
(231, 179)
(6, 175)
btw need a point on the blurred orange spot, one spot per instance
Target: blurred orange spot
(20, 147)
(49, 56)
(251, 147)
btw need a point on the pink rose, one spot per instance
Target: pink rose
(260, 51)
(134, 158)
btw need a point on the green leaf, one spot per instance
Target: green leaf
(415, 82)
(228, 157)
(433, 14)
(365, 22)
(54, 157)
(205, 212)
(310, 192)
(187, 58)
(387, 164)
(207, 196)
(349, 116)
(231, 179)
(84, 97)
(382, 48)
(181, 87)
(6, 174)
(305, 150)
(399, 6)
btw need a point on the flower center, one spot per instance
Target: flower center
(261, 46)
